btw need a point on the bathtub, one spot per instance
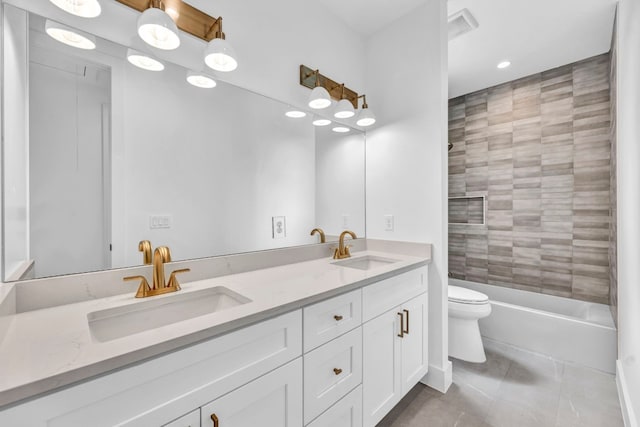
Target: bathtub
(562, 328)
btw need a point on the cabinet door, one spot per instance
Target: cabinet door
(381, 382)
(273, 400)
(414, 342)
(346, 413)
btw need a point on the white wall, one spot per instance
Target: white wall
(628, 160)
(407, 154)
(15, 170)
(340, 182)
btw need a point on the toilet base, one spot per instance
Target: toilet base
(465, 342)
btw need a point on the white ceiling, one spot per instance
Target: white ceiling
(369, 16)
(535, 35)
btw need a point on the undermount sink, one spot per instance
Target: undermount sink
(366, 262)
(118, 322)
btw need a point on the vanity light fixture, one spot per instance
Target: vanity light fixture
(320, 121)
(157, 28)
(319, 97)
(144, 61)
(344, 109)
(340, 129)
(295, 114)
(503, 64)
(200, 80)
(366, 116)
(219, 54)
(70, 36)
(82, 8)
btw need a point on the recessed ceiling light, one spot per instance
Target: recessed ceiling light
(295, 114)
(504, 64)
(340, 129)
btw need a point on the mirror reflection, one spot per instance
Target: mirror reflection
(118, 154)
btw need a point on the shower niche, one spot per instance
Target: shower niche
(468, 210)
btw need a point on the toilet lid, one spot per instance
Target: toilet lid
(466, 296)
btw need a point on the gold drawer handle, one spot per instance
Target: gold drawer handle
(214, 418)
(406, 331)
(338, 317)
(401, 334)
(337, 371)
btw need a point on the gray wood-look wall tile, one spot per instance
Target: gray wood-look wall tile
(540, 149)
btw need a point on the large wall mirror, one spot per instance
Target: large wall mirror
(99, 154)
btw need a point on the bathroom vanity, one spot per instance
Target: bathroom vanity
(313, 343)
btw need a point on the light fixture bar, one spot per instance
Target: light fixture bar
(308, 79)
(187, 18)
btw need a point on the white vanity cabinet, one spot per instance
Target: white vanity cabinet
(274, 399)
(342, 362)
(395, 346)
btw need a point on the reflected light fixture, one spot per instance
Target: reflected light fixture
(344, 109)
(504, 64)
(320, 121)
(157, 28)
(69, 36)
(295, 114)
(144, 61)
(366, 116)
(340, 129)
(219, 54)
(82, 8)
(200, 80)
(319, 97)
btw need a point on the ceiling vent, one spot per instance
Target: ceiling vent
(461, 22)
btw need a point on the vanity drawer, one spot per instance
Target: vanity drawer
(331, 371)
(331, 318)
(386, 294)
(346, 413)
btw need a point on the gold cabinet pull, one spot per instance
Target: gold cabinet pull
(338, 317)
(337, 371)
(401, 334)
(406, 331)
(214, 418)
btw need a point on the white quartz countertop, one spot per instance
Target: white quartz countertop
(44, 349)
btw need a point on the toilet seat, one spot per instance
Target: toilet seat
(466, 296)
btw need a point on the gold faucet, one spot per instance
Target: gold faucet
(145, 247)
(321, 232)
(342, 251)
(161, 255)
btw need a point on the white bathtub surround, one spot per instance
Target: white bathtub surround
(466, 307)
(68, 352)
(562, 328)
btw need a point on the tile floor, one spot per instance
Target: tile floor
(514, 388)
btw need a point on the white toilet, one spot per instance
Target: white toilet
(466, 307)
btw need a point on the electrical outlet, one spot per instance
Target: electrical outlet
(388, 223)
(345, 221)
(160, 221)
(279, 225)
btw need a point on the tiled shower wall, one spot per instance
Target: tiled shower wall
(613, 228)
(539, 149)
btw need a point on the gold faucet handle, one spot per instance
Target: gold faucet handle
(347, 252)
(143, 289)
(173, 280)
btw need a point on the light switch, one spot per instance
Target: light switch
(160, 221)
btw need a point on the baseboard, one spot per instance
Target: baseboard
(626, 406)
(438, 378)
